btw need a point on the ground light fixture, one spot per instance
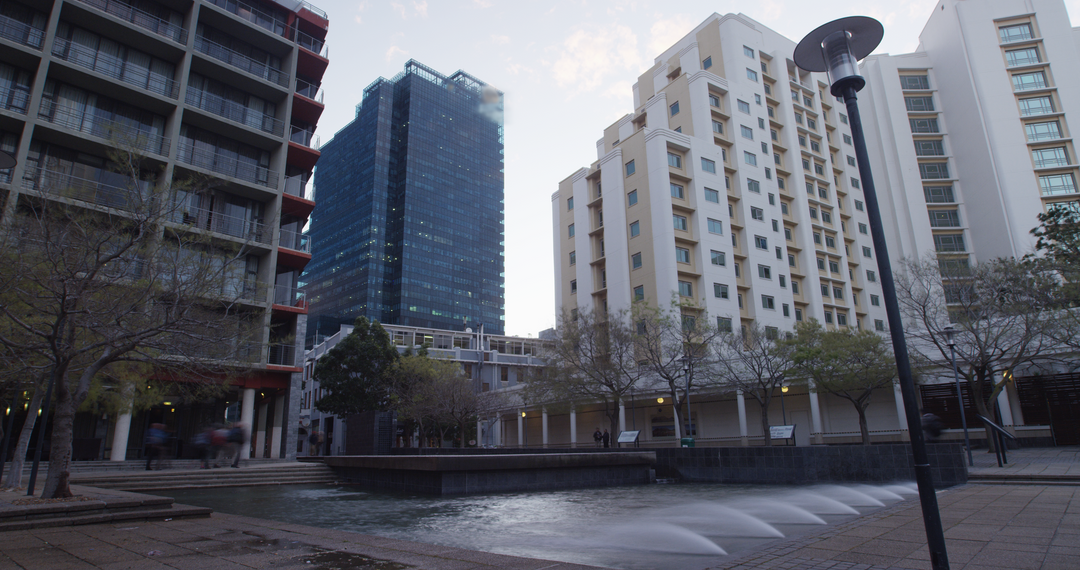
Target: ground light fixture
(836, 48)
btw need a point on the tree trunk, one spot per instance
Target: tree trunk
(56, 483)
(862, 425)
(765, 424)
(984, 411)
(14, 476)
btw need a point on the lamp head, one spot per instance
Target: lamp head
(522, 414)
(660, 400)
(837, 47)
(950, 336)
(784, 389)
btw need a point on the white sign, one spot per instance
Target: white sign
(628, 436)
(781, 432)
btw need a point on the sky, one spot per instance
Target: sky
(567, 68)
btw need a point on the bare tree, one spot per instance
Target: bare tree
(100, 276)
(998, 309)
(755, 361)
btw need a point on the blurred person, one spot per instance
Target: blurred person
(155, 444)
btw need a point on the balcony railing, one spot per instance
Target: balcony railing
(314, 9)
(19, 32)
(205, 219)
(142, 19)
(233, 111)
(241, 61)
(282, 354)
(288, 296)
(93, 191)
(312, 44)
(14, 99)
(114, 67)
(305, 137)
(123, 134)
(254, 15)
(294, 240)
(309, 90)
(227, 165)
(295, 186)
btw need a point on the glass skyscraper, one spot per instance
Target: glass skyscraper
(409, 227)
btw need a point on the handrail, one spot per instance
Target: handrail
(297, 241)
(312, 44)
(21, 32)
(206, 219)
(309, 90)
(1000, 434)
(145, 20)
(295, 186)
(258, 17)
(5, 97)
(114, 67)
(314, 9)
(67, 186)
(241, 61)
(226, 165)
(86, 122)
(233, 111)
(305, 137)
(281, 354)
(289, 296)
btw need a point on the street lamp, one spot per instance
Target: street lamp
(783, 410)
(686, 375)
(836, 48)
(950, 339)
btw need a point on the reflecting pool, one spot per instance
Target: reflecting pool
(681, 526)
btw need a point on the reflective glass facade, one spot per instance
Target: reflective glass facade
(409, 225)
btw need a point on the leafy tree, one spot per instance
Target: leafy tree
(1057, 260)
(592, 358)
(849, 364)
(755, 361)
(358, 372)
(100, 276)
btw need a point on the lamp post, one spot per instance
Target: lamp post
(836, 48)
(950, 339)
(783, 410)
(686, 376)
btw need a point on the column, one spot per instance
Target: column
(901, 411)
(743, 433)
(259, 435)
(1006, 409)
(573, 428)
(815, 417)
(622, 419)
(120, 436)
(275, 434)
(497, 439)
(479, 432)
(678, 422)
(247, 413)
(521, 430)
(544, 426)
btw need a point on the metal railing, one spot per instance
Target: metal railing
(25, 34)
(114, 67)
(254, 15)
(205, 219)
(86, 122)
(282, 354)
(309, 90)
(142, 19)
(289, 296)
(314, 9)
(1000, 436)
(304, 137)
(241, 61)
(14, 99)
(233, 111)
(297, 241)
(227, 165)
(295, 186)
(68, 186)
(312, 44)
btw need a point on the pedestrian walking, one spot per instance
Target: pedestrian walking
(155, 444)
(238, 437)
(597, 437)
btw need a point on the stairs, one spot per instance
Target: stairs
(101, 507)
(273, 473)
(1017, 479)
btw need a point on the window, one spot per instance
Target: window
(761, 242)
(750, 158)
(826, 217)
(715, 226)
(862, 228)
(682, 255)
(929, 148)
(573, 257)
(813, 212)
(718, 127)
(1015, 33)
(712, 196)
(686, 289)
(751, 75)
(938, 194)
(720, 291)
(830, 242)
(573, 287)
(734, 241)
(834, 266)
(748, 52)
(780, 183)
(819, 169)
(767, 302)
(786, 309)
(821, 263)
(737, 273)
(631, 198)
(847, 139)
(794, 287)
(764, 272)
(706, 63)
(677, 191)
(1042, 131)
(570, 230)
(718, 257)
(639, 293)
(761, 123)
(858, 205)
(871, 276)
(838, 293)
(867, 252)
(1045, 157)
(630, 168)
(784, 208)
(908, 82)
(808, 101)
(815, 146)
(757, 213)
(828, 317)
(708, 165)
(570, 203)
(1055, 184)
(674, 160)
(1036, 106)
(944, 218)
(1024, 56)
(798, 118)
(841, 319)
(855, 182)
(679, 222)
(787, 234)
(933, 170)
(744, 107)
(765, 69)
(811, 124)
(1029, 81)
(802, 141)
(768, 174)
(924, 125)
(775, 225)
(798, 315)
(747, 132)
(635, 229)
(824, 290)
(783, 280)
(723, 324)
(920, 103)
(635, 260)
(791, 260)
(731, 210)
(714, 100)
(674, 108)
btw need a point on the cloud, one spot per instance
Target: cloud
(360, 8)
(419, 8)
(501, 40)
(395, 51)
(664, 33)
(586, 57)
